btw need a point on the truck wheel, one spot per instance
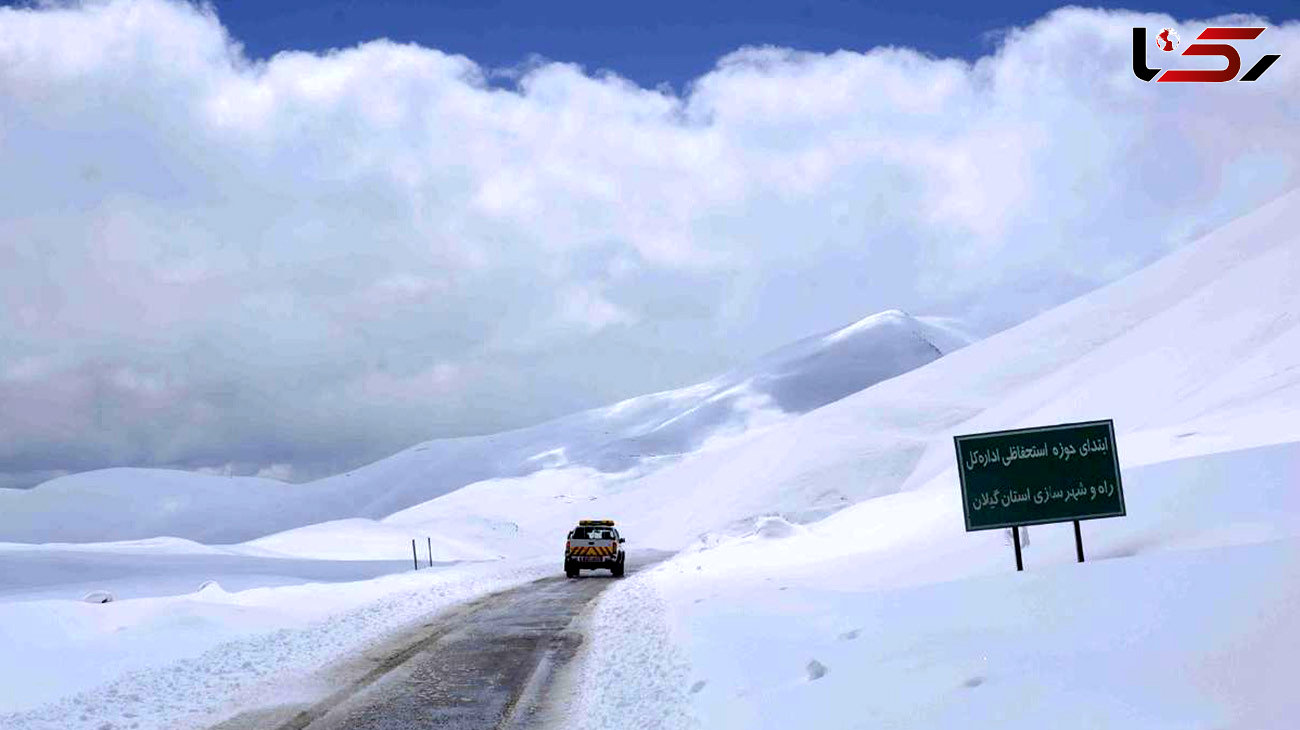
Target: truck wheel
(617, 570)
(570, 570)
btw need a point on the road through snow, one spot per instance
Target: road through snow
(486, 664)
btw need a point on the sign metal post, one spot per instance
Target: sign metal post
(1015, 536)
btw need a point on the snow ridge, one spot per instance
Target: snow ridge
(640, 433)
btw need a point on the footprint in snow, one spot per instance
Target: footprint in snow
(850, 635)
(816, 670)
(973, 682)
(698, 686)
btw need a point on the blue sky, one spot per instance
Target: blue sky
(669, 41)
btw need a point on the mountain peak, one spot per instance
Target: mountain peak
(886, 318)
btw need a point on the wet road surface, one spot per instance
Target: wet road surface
(486, 664)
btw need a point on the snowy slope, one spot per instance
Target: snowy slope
(886, 613)
(1186, 639)
(1199, 353)
(1180, 618)
(122, 504)
(889, 614)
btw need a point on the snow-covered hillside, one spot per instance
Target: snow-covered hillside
(1199, 353)
(823, 549)
(888, 612)
(123, 504)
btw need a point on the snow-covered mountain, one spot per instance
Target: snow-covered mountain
(641, 433)
(1197, 354)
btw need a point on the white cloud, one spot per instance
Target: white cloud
(250, 261)
(590, 309)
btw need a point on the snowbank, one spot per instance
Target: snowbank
(187, 661)
(890, 614)
(56, 571)
(1177, 640)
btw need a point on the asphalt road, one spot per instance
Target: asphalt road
(486, 664)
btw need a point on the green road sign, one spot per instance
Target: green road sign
(1031, 476)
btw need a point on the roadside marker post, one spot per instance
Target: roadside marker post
(414, 558)
(430, 539)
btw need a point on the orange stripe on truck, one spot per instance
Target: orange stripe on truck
(593, 550)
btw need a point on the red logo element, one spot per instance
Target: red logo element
(1167, 40)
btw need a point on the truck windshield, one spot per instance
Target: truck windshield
(593, 533)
